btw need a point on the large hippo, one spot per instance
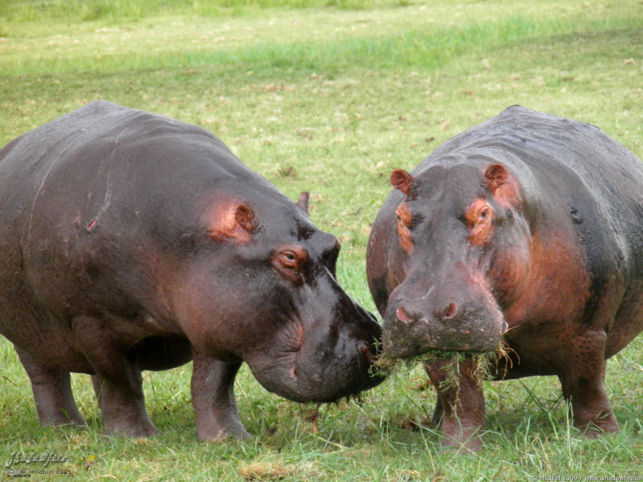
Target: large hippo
(528, 230)
(131, 241)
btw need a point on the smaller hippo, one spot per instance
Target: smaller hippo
(527, 230)
(130, 242)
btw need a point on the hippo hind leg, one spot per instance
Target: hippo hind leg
(215, 408)
(117, 381)
(51, 391)
(582, 381)
(122, 404)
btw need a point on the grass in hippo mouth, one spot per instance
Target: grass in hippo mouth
(484, 366)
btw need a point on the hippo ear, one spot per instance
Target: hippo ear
(233, 220)
(402, 180)
(496, 175)
(245, 217)
(303, 201)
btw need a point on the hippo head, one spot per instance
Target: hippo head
(463, 254)
(260, 287)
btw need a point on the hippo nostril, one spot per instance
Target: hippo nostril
(451, 311)
(401, 315)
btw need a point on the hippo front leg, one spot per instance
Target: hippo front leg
(212, 389)
(460, 407)
(117, 381)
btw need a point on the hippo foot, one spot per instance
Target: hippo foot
(455, 435)
(123, 408)
(56, 415)
(460, 440)
(208, 434)
(596, 426)
(142, 429)
(62, 417)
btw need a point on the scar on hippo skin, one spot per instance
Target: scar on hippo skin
(232, 220)
(91, 226)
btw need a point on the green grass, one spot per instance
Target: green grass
(118, 10)
(330, 99)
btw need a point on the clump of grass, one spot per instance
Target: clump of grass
(266, 471)
(484, 365)
(481, 363)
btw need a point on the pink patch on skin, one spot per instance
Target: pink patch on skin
(231, 220)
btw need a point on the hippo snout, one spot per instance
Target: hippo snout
(453, 325)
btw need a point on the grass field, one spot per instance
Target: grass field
(329, 96)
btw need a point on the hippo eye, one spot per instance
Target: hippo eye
(290, 261)
(288, 258)
(480, 221)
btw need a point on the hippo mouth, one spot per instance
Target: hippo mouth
(480, 365)
(474, 325)
(288, 367)
(433, 339)
(412, 349)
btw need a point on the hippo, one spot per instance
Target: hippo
(131, 241)
(523, 233)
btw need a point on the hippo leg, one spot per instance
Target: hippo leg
(117, 381)
(583, 384)
(51, 391)
(215, 408)
(122, 404)
(460, 407)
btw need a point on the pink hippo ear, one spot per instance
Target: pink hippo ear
(505, 188)
(232, 220)
(402, 180)
(496, 175)
(303, 201)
